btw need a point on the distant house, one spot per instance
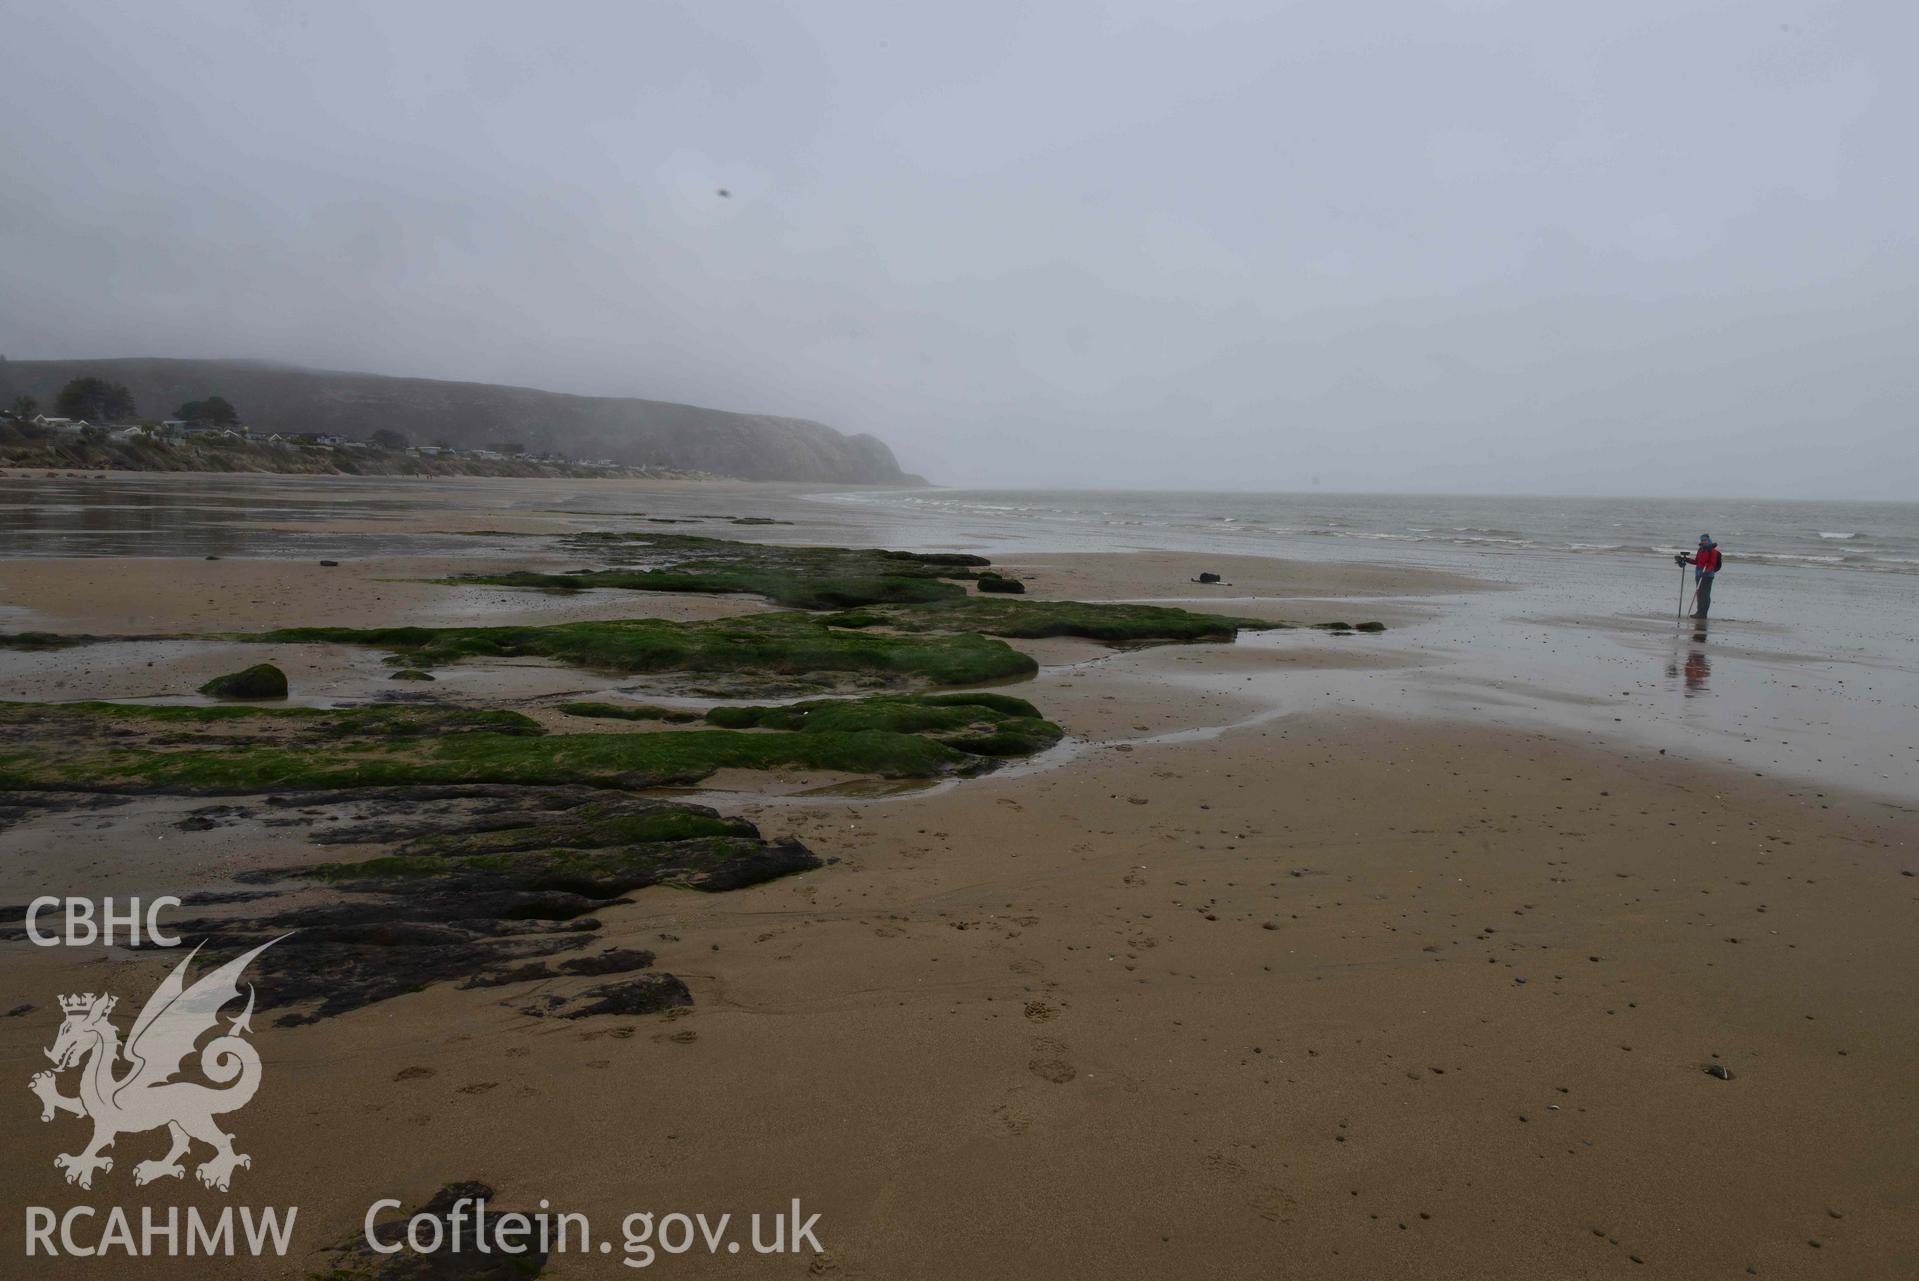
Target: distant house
(62, 425)
(125, 434)
(198, 429)
(314, 438)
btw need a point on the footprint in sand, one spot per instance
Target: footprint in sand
(1220, 1163)
(413, 1073)
(1040, 1012)
(1058, 1071)
(479, 1087)
(1275, 1206)
(1015, 1121)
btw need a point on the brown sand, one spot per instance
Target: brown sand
(1038, 1027)
(1325, 996)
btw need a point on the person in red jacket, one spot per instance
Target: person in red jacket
(1705, 567)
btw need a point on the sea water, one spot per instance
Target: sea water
(1808, 668)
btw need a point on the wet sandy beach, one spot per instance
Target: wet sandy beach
(1308, 955)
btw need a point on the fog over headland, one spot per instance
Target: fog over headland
(1655, 246)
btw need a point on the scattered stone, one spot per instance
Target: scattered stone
(331, 564)
(411, 674)
(1719, 1071)
(208, 817)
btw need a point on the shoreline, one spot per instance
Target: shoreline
(1257, 974)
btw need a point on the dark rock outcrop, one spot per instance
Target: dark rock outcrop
(485, 886)
(262, 680)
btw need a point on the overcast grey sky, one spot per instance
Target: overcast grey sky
(1645, 246)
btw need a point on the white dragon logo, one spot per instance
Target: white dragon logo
(146, 1097)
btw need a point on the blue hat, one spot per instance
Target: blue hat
(1705, 538)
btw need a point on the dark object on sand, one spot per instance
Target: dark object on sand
(331, 564)
(992, 582)
(262, 680)
(1719, 1071)
(647, 994)
(1207, 578)
(411, 674)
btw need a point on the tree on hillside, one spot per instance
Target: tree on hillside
(214, 409)
(511, 448)
(387, 438)
(96, 400)
(25, 406)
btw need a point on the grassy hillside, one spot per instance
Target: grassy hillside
(641, 433)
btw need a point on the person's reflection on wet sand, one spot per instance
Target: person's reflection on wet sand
(1695, 668)
(1698, 666)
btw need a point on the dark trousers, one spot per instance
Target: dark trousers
(1705, 597)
